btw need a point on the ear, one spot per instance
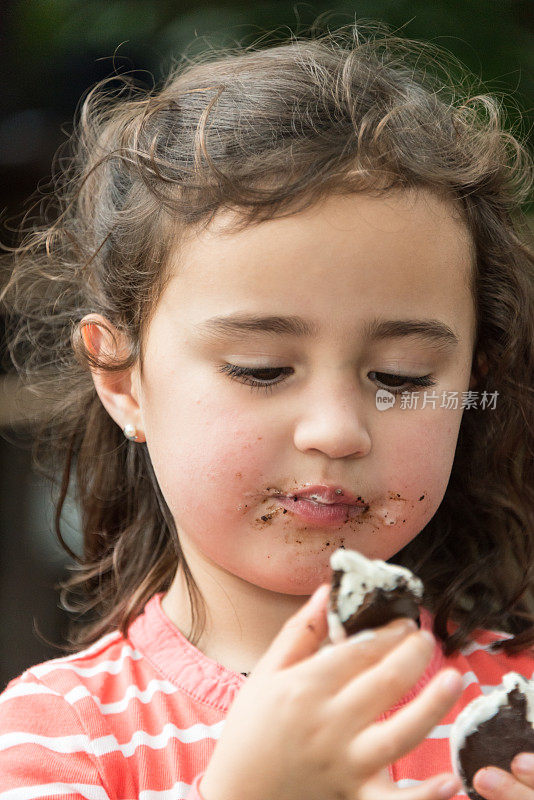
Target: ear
(117, 391)
(479, 370)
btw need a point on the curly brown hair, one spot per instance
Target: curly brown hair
(268, 131)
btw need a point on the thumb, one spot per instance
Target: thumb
(300, 636)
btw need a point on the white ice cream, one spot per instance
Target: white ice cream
(485, 707)
(360, 576)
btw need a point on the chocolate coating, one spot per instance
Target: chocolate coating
(497, 741)
(379, 606)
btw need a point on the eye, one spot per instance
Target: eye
(401, 383)
(256, 377)
(267, 377)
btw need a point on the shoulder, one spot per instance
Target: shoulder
(51, 716)
(84, 686)
(92, 670)
(48, 724)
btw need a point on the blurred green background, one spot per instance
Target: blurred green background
(51, 52)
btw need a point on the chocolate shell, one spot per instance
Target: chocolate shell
(369, 593)
(493, 729)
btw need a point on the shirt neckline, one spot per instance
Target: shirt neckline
(164, 645)
(188, 668)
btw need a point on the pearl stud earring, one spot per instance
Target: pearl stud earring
(130, 432)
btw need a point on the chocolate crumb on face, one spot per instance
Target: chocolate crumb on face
(493, 729)
(369, 593)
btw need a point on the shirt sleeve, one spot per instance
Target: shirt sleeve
(44, 750)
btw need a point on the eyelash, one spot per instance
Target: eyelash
(246, 375)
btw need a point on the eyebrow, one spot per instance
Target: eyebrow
(240, 325)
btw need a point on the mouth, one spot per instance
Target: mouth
(317, 513)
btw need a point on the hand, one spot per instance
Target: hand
(303, 726)
(497, 784)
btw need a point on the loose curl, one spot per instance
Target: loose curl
(268, 132)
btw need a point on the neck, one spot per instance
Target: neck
(241, 619)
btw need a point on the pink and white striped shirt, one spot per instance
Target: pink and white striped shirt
(139, 717)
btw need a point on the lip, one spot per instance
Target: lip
(320, 505)
(329, 495)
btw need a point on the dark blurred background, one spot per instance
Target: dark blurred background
(51, 52)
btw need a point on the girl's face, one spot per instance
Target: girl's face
(239, 408)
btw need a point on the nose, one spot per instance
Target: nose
(333, 419)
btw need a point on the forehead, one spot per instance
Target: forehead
(351, 255)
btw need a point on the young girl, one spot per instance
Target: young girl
(283, 305)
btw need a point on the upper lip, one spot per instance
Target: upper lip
(328, 495)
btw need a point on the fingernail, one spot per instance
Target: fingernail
(362, 636)
(452, 682)
(489, 779)
(406, 625)
(524, 762)
(319, 595)
(428, 636)
(448, 788)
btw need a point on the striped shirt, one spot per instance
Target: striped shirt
(139, 717)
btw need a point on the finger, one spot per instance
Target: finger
(523, 768)
(439, 787)
(337, 663)
(385, 742)
(370, 694)
(496, 784)
(300, 636)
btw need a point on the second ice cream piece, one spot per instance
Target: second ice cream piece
(492, 729)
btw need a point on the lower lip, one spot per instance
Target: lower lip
(321, 513)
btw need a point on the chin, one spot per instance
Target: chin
(299, 579)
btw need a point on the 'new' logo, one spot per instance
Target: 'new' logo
(384, 399)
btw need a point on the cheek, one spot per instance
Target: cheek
(421, 453)
(218, 455)
(414, 455)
